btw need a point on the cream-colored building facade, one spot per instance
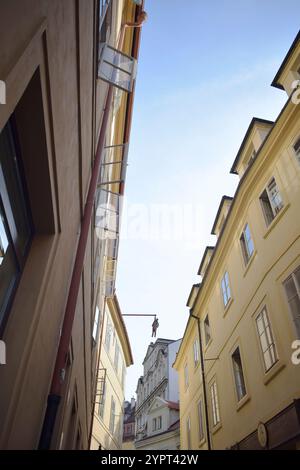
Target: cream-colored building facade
(115, 356)
(247, 304)
(162, 426)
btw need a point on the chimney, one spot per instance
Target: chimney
(132, 402)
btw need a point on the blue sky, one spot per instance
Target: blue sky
(205, 70)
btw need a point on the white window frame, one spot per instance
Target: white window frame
(188, 433)
(116, 356)
(123, 373)
(296, 149)
(186, 376)
(239, 376)
(196, 352)
(247, 244)
(207, 329)
(108, 334)
(200, 420)
(158, 423)
(216, 418)
(101, 408)
(295, 316)
(225, 289)
(96, 324)
(112, 415)
(251, 158)
(116, 68)
(154, 424)
(275, 208)
(266, 338)
(103, 5)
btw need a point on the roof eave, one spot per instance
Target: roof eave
(203, 258)
(253, 121)
(195, 286)
(224, 198)
(276, 83)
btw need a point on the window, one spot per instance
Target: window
(116, 68)
(207, 334)
(112, 415)
(96, 324)
(156, 423)
(251, 158)
(15, 219)
(2, 92)
(196, 352)
(266, 339)
(247, 244)
(97, 261)
(188, 433)
(292, 290)
(297, 150)
(238, 374)
(200, 420)
(108, 334)
(123, 375)
(225, 289)
(159, 421)
(103, 4)
(105, 19)
(215, 403)
(116, 359)
(186, 376)
(102, 403)
(271, 201)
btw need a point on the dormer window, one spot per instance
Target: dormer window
(186, 376)
(253, 140)
(289, 71)
(221, 215)
(221, 224)
(297, 149)
(252, 158)
(205, 261)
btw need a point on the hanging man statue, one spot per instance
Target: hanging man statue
(155, 325)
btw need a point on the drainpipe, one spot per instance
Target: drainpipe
(54, 396)
(203, 381)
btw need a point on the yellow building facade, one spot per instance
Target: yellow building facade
(64, 134)
(115, 356)
(247, 305)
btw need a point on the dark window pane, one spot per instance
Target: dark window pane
(15, 225)
(12, 193)
(8, 266)
(238, 374)
(267, 209)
